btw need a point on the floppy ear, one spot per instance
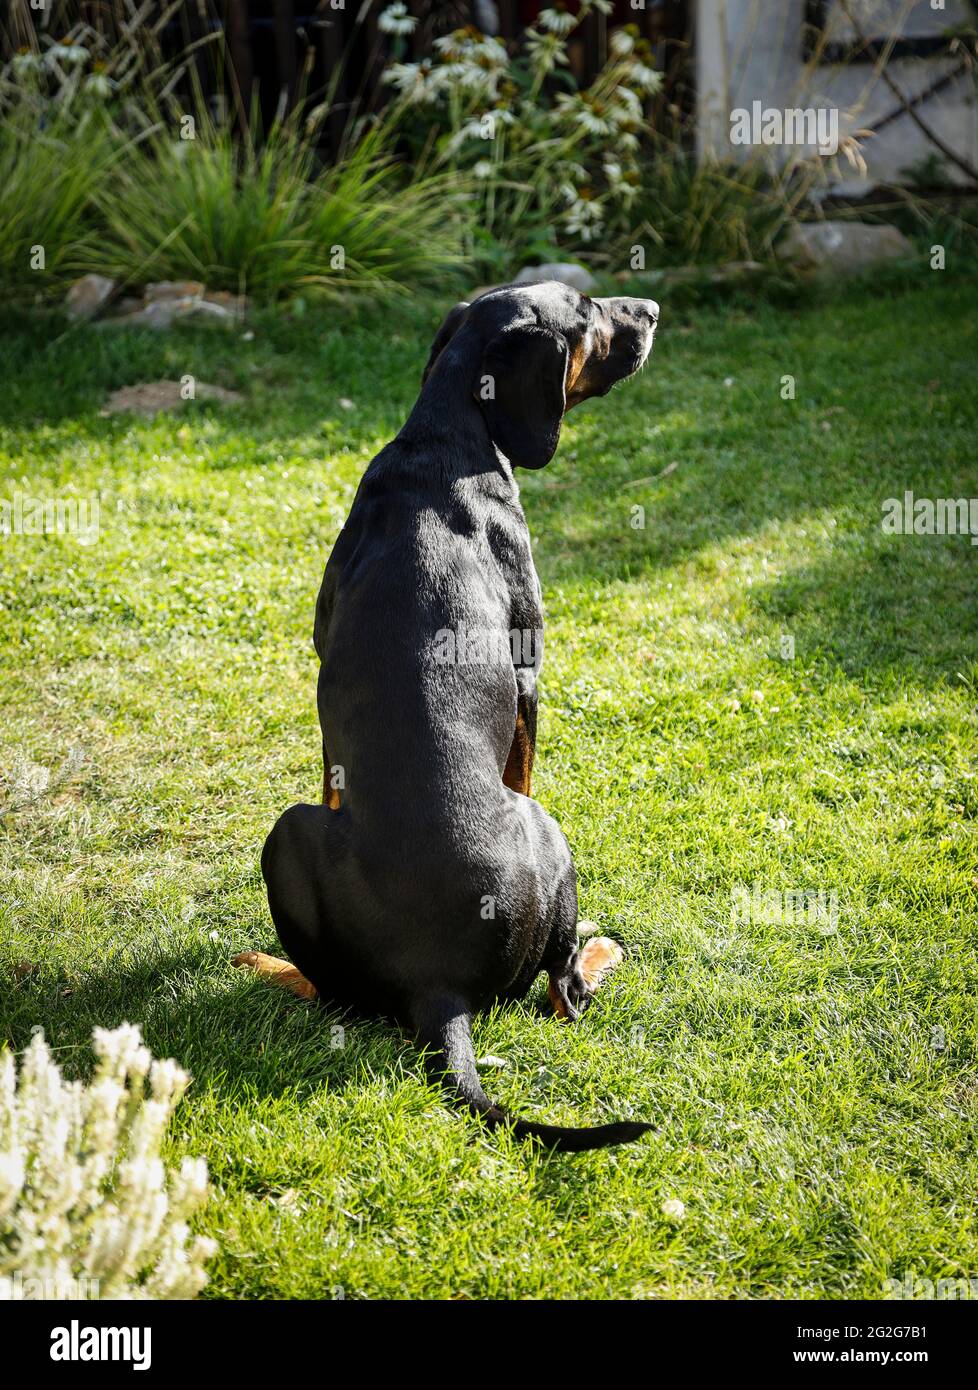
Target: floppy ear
(447, 331)
(521, 391)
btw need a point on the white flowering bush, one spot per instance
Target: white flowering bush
(547, 164)
(86, 1203)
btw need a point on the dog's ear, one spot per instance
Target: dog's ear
(442, 337)
(522, 393)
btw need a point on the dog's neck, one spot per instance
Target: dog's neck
(449, 429)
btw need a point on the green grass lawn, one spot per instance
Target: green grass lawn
(814, 1090)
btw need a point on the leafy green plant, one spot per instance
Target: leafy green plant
(397, 230)
(261, 218)
(97, 175)
(56, 143)
(48, 175)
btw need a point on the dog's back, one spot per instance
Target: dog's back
(435, 849)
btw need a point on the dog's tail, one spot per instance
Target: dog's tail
(444, 1025)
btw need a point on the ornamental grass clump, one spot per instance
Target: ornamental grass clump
(87, 1206)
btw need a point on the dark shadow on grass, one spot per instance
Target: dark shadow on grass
(905, 610)
(229, 1031)
(877, 606)
(236, 1036)
(293, 372)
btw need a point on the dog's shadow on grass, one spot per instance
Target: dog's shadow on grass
(237, 1037)
(231, 1032)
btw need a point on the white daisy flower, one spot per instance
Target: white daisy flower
(583, 219)
(624, 193)
(414, 81)
(557, 21)
(545, 51)
(99, 84)
(469, 77)
(25, 62)
(492, 51)
(483, 127)
(70, 53)
(621, 43)
(471, 130)
(461, 47)
(592, 122)
(396, 20)
(646, 79)
(627, 106)
(456, 45)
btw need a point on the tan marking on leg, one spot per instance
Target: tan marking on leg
(599, 956)
(277, 972)
(331, 795)
(519, 764)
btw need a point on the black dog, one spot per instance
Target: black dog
(429, 884)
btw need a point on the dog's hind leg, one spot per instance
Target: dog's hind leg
(572, 984)
(277, 972)
(566, 985)
(299, 864)
(290, 873)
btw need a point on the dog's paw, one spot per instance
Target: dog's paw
(598, 957)
(276, 972)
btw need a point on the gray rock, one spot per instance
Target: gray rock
(566, 272)
(840, 247)
(125, 304)
(210, 311)
(174, 289)
(163, 313)
(88, 295)
(159, 313)
(237, 304)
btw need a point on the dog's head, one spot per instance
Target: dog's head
(529, 353)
